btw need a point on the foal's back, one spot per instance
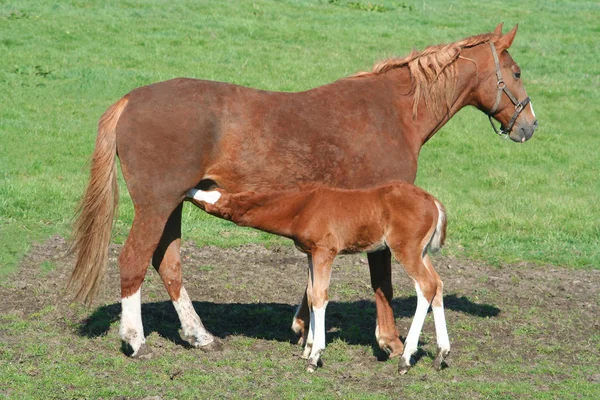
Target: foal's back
(363, 220)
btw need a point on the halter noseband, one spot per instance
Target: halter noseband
(519, 105)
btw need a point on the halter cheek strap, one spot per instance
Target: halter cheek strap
(519, 105)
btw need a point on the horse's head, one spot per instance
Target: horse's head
(501, 94)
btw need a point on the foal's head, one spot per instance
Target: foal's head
(500, 92)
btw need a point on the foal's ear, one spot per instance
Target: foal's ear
(505, 41)
(498, 30)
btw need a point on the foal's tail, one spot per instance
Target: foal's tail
(93, 227)
(439, 235)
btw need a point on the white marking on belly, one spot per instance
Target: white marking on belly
(532, 112)
(210, 197)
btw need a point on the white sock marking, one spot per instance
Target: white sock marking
(310, 337)
(412, 339)
(132, 330)
(319, 341)
(190, 321)
(441, 331)
(210, 197)
(319, 333)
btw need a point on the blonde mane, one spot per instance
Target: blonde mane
(433, 72)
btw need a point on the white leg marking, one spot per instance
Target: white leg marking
(319, 334)
(532, 112)
(319, 340)
(380, 342)
(412, 339)
(190, 321)
(207, 196)
(132, 330)
(441, 331)
(310, 337)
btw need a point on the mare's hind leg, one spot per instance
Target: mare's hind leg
(380, 266)
(134, 259)
(167, 261)
(437, 307)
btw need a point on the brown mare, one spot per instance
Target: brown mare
(324, 222)
(357, 132)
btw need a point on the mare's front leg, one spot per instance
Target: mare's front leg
(318, 284)
(167, 261)
(380, 266)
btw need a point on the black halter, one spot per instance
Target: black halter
(519, 105)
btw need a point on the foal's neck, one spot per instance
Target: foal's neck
(271, 212)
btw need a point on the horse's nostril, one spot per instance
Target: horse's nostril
(535, 124)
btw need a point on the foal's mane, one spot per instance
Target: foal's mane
(433, 72)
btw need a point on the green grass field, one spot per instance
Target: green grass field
(63, 63)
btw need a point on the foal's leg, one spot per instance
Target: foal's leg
(143, 238)
(437, 306)
(380, 266)
(309, 328)
(167, 261)
(320, 276)
(426, 288)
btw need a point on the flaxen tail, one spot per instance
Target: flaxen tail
(439, 235)
(96, 213)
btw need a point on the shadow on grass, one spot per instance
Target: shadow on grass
(353, 322)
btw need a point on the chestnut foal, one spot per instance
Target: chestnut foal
(324, 222)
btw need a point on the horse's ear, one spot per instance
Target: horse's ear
(505, 41)
(498, 30)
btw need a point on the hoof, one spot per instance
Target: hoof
(212, 347)
(143, 353)
(307, 351)
(439, 362)
(392, 348)
(403, 366)
(311, 366)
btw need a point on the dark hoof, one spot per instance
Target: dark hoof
(143, 353)
(212, 347)
(439, 363)
(403, 366)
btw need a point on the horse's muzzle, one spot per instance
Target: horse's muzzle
(522, 132)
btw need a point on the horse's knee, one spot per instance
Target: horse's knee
(428, 288)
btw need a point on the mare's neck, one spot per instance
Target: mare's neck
(427, 123)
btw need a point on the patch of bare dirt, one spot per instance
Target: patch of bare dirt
(532, 313)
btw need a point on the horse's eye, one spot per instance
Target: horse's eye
(517, 75)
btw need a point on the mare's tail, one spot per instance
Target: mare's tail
(93, 227)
